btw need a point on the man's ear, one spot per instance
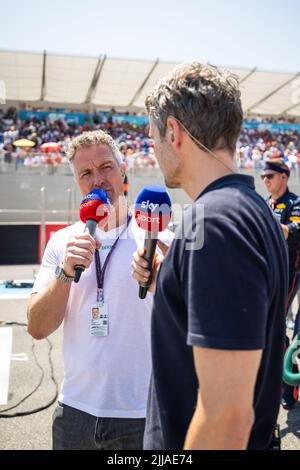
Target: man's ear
(123, 169)
(173, 132)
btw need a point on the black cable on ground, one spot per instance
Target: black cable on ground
(53, 400)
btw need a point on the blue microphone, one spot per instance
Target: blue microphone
(152, 212)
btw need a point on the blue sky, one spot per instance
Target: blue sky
(224, 32)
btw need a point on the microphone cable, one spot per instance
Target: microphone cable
(53, 379)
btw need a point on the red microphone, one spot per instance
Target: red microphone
(94, 208)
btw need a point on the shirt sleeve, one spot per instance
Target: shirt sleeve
(226, 292)
(53, 256)
(166, 237)
(294, 225)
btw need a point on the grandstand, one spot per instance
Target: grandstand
(51, 98)
(122, 83)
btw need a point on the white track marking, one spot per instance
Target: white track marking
(19, 357)
(5, 358)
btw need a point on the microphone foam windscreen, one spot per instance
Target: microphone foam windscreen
(152, 209)
(95, 205)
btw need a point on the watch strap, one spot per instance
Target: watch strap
(62, 276)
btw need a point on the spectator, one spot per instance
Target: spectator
(254, 146)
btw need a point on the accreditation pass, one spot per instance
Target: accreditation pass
(99, 319)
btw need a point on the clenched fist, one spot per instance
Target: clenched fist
(140, 266)
(80, 251)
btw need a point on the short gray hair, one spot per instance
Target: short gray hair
(90, 139)
(206, 100)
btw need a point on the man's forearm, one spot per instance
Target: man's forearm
(293, 237)
(223, 433)
(46, 309)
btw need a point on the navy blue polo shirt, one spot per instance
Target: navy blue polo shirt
(287, 211)
(230, 294)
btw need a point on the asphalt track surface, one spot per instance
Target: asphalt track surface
(33, 432)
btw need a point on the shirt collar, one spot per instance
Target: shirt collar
(283, 197)
(229, 180)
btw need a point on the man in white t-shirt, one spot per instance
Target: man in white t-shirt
(102, 404)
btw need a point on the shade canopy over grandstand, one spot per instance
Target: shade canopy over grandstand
(112, 82)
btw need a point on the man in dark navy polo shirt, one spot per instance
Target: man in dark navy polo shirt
(286, 207)
(218, 320)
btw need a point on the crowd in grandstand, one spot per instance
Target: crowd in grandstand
(257, 145)
(136, 146)
(254, 147)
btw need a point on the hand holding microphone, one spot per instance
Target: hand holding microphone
(94, 209)
(141, 270)
(152, 214)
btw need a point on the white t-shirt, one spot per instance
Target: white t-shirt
(104, 376)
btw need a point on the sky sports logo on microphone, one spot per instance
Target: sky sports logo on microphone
(149, 206)
(95, 206)
(98, 194)
(153, 209)
(153, 221)
(149, 222)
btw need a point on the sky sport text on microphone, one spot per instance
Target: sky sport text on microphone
(94, 209)
(152, 214)
(152, 208)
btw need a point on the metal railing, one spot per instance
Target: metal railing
(18, 167)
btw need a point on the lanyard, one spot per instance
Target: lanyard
(101, 271)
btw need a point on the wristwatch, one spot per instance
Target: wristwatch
(61, 275)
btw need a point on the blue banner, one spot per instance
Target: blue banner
(77, 118)
(138, 120)
(271, 126)
(83, 118)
